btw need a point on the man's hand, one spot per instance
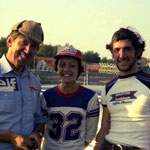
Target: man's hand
(36, 140)
(20, 142)
(96, 147)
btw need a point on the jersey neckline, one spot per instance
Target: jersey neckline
(68, 95)
(130, 75)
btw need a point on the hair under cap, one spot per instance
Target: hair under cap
(30, 29)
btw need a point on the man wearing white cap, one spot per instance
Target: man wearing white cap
(21, 119)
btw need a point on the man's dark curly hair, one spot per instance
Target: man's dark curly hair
(80, 66)
(128, 34)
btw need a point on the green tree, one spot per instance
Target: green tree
(47, 50)
(92, 57)
(3, 46)
(105, 60)
(110, 61)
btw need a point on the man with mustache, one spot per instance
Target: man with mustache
(21, 119)
(126, 99)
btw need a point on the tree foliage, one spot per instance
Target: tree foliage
(91, 57)
(47, 50)
(3, 46)
(105, 60)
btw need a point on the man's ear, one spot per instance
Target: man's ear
(9, 41)
(138, 53)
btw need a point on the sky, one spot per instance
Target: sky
(88, 25)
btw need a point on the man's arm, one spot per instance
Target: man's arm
(39, 129)
(105, 125)
(86, 144)
(16, 139)
(37, 134)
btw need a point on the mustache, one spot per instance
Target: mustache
(122, 59)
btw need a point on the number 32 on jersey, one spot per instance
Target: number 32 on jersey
(60, 129)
